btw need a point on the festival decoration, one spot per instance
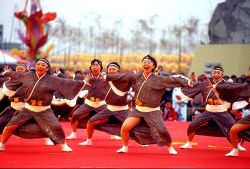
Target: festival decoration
(35, 36)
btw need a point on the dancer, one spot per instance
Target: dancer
(149, 89)
(216, 109)
(13, 89)
(109, 120)
(241, 129)
(39, 88)
(94, 101)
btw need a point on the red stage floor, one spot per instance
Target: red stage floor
(208, 153)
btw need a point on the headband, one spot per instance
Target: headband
(23, 65)
(218, 68)
(114, 65)
(44, 61)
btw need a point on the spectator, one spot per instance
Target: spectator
(246, 111)
(237, 114)
(193, 77)
(169, 113)
(234, 77)
(179, 104)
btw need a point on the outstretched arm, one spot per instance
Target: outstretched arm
(232, 91)
(177, 81)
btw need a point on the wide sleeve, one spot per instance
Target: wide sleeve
(232, 91)
(15, 75)
(10, 87)
(120, 83)
(171, 82)
(3, 79)
(191, 92)
(68, 88)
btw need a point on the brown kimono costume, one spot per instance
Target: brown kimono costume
(117, 116)
(233, 92)
(40, 94)
(148, 93)
(96, 94)
(220, 122)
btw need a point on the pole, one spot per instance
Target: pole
(180, 49)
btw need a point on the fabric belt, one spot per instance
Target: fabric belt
(146, 109)
(36, 108)
(17, 105)
(95, 104)
(116, 108)
(218, 108)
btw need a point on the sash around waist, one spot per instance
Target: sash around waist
(146, 109)
(117, 108)
(36, 108)
(95, 104)
(216, 108)
(17, 105)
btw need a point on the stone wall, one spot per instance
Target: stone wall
(230, 23)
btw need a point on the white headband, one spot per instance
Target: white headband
(44, 61)
(114, 66)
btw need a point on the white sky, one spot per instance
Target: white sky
(75, 12)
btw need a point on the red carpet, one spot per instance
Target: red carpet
(208, 153)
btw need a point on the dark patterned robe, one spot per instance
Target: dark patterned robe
(18, 94)
(43, 92)
(116, 118)
(231, 93)
(29, 130)
(219, 124)
(98, 89)
(152, 130)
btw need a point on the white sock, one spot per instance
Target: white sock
(240, 148)
(65, 147)
(124, 149)
(2, 146)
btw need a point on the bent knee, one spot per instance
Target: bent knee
(126, 128)
(234, 130)
(10, 128)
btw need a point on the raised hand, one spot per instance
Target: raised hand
(57, 70)
(210, 84)
(87, 78)
(7, 68)
(102, 76)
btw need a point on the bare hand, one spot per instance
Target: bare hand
(57, 70)
(210, 84)
(7, 68)
(87, 78)
(101, 76)
(178, 97)
(191, 83)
